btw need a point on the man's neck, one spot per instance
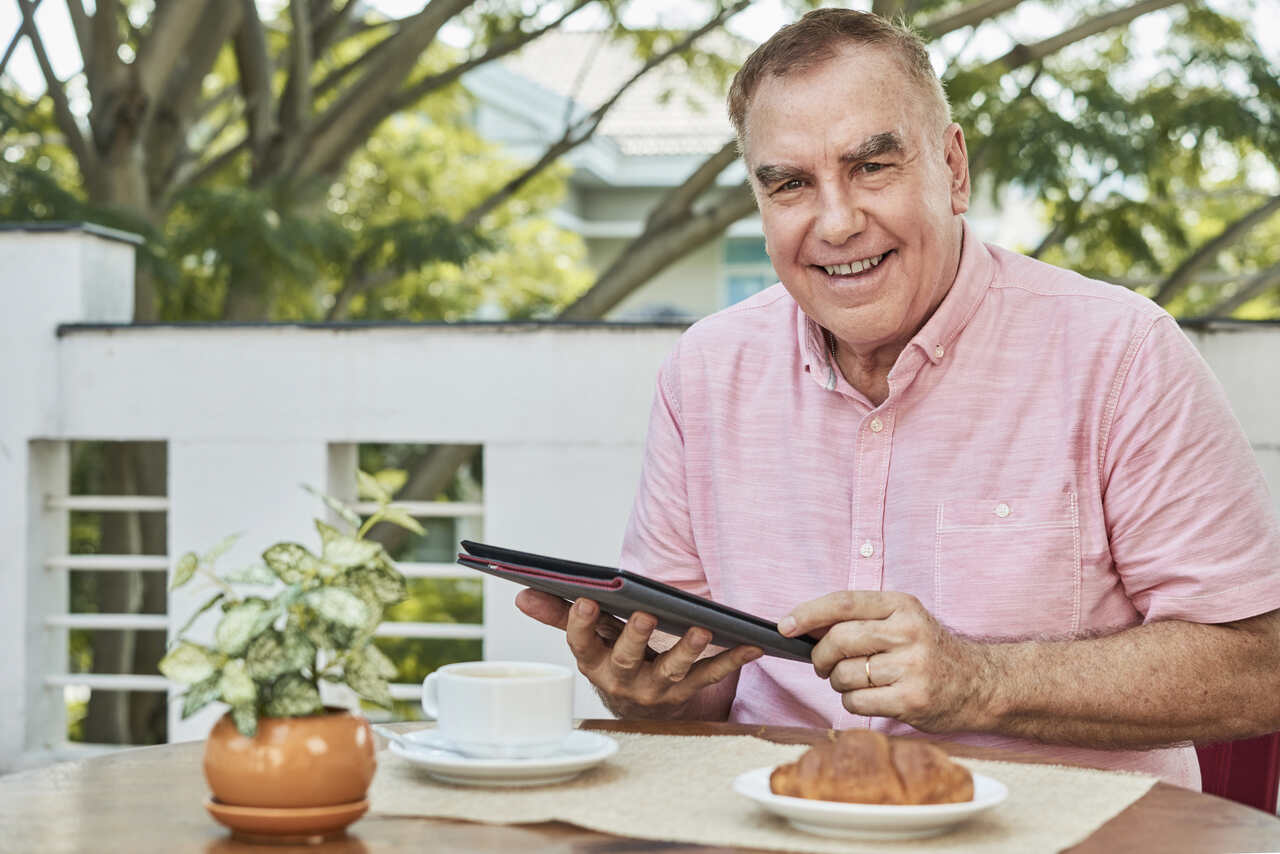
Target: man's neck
(870, 374)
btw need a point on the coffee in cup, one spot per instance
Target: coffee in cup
(501, 709)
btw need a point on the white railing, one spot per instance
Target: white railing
(57, 680)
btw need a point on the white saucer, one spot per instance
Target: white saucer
(869, 821)
(580, 751)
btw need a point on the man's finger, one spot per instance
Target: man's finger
(837, 607)
(543, 607)
(708, 671)
(629, 650)
(673, 665)
(580, 632)
(848, 640)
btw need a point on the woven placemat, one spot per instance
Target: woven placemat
(679, 789)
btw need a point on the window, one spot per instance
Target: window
(747, 269)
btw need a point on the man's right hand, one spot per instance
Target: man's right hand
(634, 680)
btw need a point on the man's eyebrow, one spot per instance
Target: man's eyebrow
(875, 146)
(769, 175)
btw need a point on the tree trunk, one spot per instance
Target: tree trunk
(122, 717)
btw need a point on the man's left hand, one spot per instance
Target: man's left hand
(920, 673)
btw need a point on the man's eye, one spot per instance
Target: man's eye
(869, 168)
(793, 184)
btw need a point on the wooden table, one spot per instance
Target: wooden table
(150, 799)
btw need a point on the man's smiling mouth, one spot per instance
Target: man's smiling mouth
(854, 267)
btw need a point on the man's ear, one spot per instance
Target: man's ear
(957, 158)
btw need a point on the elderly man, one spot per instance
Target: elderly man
(1013, 502)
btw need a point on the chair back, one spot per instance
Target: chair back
(1246, 771)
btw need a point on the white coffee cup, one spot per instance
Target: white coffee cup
(501, 709)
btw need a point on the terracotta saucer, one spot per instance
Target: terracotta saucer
(286, 824)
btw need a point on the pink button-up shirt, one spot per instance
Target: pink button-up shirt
(1054, 459)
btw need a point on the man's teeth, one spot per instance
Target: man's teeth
(855, 267)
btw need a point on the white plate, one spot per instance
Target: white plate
(580, 751)
(869, 821)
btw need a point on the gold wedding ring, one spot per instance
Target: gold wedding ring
(866, 662)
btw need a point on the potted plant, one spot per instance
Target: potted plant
(280, 762)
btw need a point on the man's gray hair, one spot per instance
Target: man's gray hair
(817, 38)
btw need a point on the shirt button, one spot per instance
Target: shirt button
(876, 426)
(1002, 510)
(938, 351)
(867, 549)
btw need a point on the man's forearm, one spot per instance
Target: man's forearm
(1146, 686)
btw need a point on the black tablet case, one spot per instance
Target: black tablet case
(620, 593)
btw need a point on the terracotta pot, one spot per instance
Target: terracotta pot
(315, 761)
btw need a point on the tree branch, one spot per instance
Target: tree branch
(174, 25)
(584, 128)
(83, 28)
(507, 43)
(1256, 286)
(195, 176)
(347, 122)
(295, 103)
(85, 156)
(329, 28)
(255, 78)
(1022, 54)
(971, 15)
(13, 45)
(1180, 278)
(679, 201)
(656, 250)
(353, 286)
(102, 65)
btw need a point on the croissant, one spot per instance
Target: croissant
(865, 767)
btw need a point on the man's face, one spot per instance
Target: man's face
(859, 192)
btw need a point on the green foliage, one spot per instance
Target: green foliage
(1135, 169)
(269, 654)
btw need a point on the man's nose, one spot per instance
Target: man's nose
(839, 218)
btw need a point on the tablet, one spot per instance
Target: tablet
(621, 593)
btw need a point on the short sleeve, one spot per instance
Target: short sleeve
(1193, 533)
(659, 538)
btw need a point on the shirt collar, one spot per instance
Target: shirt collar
(973, 277)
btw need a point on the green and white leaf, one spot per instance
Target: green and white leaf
(188, 663)
(388, 583)
(214, 600)
(373, 609)
(346, 552)
(392, 480)
(265, 658)
(384, 587)
(364, 678)
(237, 686)
(185, 570)
(338, 606)
(399, 516)
(348, 515)
(299, 653)
(378, 661)
(246, 719)
(327, 531)
(200, 695)
(291, 562)
(293, 696)
(219, 550)
(239, 625)
(367, 486)
(254, 573)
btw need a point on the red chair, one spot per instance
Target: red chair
(1246, 771)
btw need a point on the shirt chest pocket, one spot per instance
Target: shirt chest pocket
(1008, 566)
